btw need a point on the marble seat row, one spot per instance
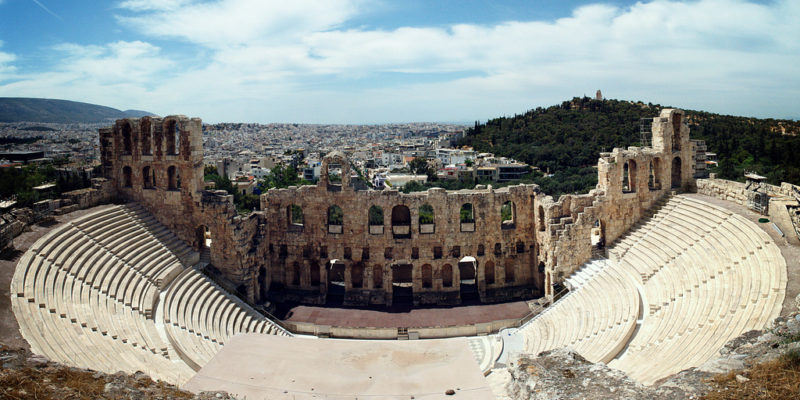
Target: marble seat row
(79, 301)
(707, 275)
(596, 318)
(200, 317)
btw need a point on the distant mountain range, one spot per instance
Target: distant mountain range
(18, 109)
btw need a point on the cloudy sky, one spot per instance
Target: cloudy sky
(373, 61)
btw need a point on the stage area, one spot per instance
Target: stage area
(398, 317)
(257, 366)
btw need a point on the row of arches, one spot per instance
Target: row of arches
(364, 276)
(401, 217)
(654, 179)
(148, 177)
(169, 136)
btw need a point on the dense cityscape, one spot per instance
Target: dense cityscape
(246, 153)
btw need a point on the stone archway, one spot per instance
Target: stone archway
(336, 282)
(402, 284)
(467, 276)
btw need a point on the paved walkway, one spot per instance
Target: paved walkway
(256, 366)
(407, 318)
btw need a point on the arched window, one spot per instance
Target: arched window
(377, 276)
(172, 178)
(427, 276)
(676, 132)
(294, 214)
(127, 141)
(481, 249)
(488, 273)
(127, 179)
(172, 133)
(467, 218)
(375, 215)
(401, 222)
(148, 178)
(447, 275)
(426, 220)
(651, 177)
(335, 218)
(626, 183)
(676, 173)
(375, 220)
(466, 215)
(146, 137)
(541, 219)
(508, 215)
(632, 175)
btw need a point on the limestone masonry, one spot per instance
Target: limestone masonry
(434, 247)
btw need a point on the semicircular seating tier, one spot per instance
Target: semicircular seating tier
(200, 317)
(708, 275)
(596, 318)
(704, 275)
(87, 293)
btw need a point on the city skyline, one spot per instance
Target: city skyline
(367, 62)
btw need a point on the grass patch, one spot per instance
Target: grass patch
(777, 379)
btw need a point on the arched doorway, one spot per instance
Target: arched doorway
(335, 282)
(598, 235)
(402, 284)
(676, 173)
(467, 271)
(202, 238)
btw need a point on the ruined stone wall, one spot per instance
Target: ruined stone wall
(237, 248)
(630, 181)
(737, 191)
(12, 224)
(300, 256)
(267, 255)
(158, 162)
(723, 189)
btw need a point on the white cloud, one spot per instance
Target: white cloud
(228, 23)
(114, 74)
(294, 61)
(152, 5)
(6, 66)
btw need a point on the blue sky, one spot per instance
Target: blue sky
(374, 61)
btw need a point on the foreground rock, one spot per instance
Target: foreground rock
(564, 374)
(27, 376)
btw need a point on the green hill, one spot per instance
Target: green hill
(18, 109)
(566, 139)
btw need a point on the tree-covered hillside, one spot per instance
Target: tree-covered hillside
(16, 109)
(570, 136)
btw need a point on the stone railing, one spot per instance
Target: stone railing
(737, 191)
(723, 189)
